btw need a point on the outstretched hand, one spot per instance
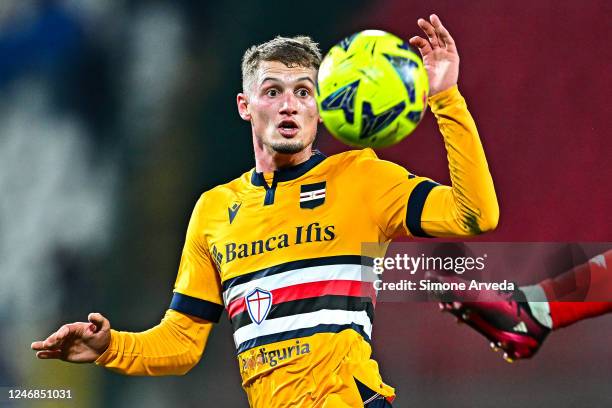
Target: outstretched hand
(76, 342)
(439, 53)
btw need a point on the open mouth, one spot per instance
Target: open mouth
(288, 128)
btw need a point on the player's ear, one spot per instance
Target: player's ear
(243, 106)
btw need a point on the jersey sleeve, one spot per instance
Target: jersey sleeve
(468, 207)
(393, 196)
(172, 347)
(197, 291)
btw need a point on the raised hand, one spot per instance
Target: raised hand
(440, 56)
(76, 342)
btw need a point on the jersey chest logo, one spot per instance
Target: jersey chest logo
(259, 302)
(233, 210)
(312, 195)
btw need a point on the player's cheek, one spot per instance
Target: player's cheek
(310, 106)
(263, 122)
(271, 128)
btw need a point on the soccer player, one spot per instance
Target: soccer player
(279, 248)
(518, 322)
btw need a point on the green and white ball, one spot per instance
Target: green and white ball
(372, 89)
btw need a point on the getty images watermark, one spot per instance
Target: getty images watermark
(429, 266)
(420, 271)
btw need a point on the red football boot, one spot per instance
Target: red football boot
(504, 318)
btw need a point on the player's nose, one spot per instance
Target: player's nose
(289, 104)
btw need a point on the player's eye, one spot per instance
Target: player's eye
(303, 92)
(272, 92)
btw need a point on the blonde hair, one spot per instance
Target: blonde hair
(300, 51)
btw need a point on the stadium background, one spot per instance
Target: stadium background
(116, 115)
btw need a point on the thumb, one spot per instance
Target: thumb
(97, 322)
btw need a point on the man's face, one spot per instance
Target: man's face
(282, 108)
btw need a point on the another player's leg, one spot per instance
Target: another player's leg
(583, 292)
(518, 322)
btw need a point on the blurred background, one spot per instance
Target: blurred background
(116, 115)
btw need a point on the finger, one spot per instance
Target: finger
(99, 322)
(422, 44)
(442, 32)
(51, 354)
(54, 340)
(429, 30)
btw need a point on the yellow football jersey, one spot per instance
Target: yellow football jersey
(284, 259)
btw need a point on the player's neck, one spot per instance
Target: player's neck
(268, 162)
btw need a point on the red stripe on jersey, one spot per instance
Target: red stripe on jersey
(312, 289)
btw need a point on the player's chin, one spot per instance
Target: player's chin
(289, 146)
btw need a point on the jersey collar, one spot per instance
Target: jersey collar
(289, 173)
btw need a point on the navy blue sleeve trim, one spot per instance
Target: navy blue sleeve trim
(416, 202)
(196, 307)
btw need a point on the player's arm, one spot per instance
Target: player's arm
(172, 347)
(470, 206)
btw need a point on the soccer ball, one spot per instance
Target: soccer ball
(372, 89)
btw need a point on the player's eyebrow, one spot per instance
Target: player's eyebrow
(305, 78)
(263, 81)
